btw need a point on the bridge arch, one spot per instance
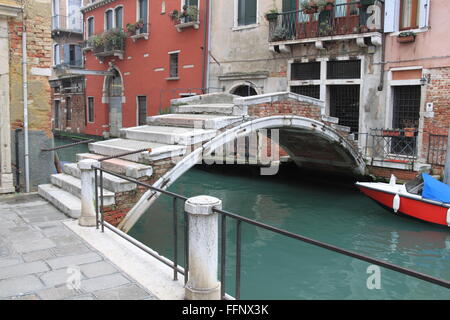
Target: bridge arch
(292, 128)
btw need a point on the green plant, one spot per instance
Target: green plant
(133, 27)
(325, 5)
(189, 13)
(407, 34)
(97, 40)
(272, 14)
(174, 15)
(309, 6)
(280, 33)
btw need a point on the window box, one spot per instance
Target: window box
(191, 24)
(391, 133)
(173, 78)
(406, 37)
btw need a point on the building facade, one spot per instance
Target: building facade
(140, 54)
(34, 26)
(67, 82)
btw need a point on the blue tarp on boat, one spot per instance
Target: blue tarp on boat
(435, 190)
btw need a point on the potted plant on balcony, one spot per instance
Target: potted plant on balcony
(272, 15)
(309, 6)
(406, 37)
(325, 5)
(391, 133)
(114, 40)
(132, 28)
(279, 34)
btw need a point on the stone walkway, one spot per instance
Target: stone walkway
(40, 258)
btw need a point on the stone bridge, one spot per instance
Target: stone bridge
(206, 128)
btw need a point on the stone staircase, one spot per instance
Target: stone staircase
(168, 136)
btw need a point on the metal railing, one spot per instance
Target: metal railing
(72, 23)
(392, 145)
(68, 145)
(224, 215)
(342, 19)
(437, 149)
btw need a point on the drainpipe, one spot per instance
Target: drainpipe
(383, 48)
(16, 151)
(25, 106)
(207, 48)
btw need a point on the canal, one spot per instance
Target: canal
(332, 211)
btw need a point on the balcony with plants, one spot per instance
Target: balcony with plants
(187, 18)
(108, 44)
(320, 19)
(138, 30)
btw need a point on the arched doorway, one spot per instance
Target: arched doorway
(115, 103)
(244, 91)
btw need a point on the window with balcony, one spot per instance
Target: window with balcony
(90, 27)
(72, 55)
(118, 17)
(246, 12)
(108, 19)
(143, 15)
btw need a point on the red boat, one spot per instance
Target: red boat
(424, 198)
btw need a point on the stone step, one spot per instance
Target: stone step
(168, 135)
(200, 121)
(120, 166)
(110, 182)
(63, 200)
(222, 109)
(117, 146)
(73, 186)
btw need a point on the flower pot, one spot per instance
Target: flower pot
(391, 133)
(310, 11)
(406, 39)
(271, 16)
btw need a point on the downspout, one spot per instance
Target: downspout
(25, 102)
(207, 46)
(383, 48)
(16, 151)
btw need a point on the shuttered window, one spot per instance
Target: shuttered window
(143, 16)
(109, 20)
(90, 28)
(246, 12)
(118, 17)
(90, 109)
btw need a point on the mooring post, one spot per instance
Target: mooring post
(88, 217)
(203, 248)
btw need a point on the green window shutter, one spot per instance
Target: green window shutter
(241, 12)
(289, 5)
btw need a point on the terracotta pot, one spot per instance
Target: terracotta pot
(409, 132)
(391, 133)
(406, 39)
(310, 11)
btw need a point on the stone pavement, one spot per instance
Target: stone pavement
(40, 258)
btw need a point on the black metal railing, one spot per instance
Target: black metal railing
(69, 145)
(341, 19)
(392, 145)
(437, 149)
(73, 23)
(224, 216)
(107, 43)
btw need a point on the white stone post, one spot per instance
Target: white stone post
(203, 248)
(88, 217)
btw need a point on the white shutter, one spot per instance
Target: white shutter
(391, 15)
(424, 13)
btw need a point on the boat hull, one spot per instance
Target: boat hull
(416, 208)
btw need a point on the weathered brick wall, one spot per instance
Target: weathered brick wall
(404, 175)
(78, 109)
(285, 107)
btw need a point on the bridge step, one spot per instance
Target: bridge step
(63, 200)
(223, 109)
(73, 186)
(118, 146)
(120, 166)
(168, 135)
(201, 121)
(110, 182)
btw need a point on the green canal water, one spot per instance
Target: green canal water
(275, 267)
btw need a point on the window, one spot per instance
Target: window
(90, 109)
(173, 65)
(108, 20)
(68, 109)
(142, 110)
(406, 107)
(347, 69)
(56, 55)
(344, 105)
(72, 55)
(246, 12)
(409, 14)
(142, 10)
(90, 27)
(305, 71)
(57, 113)
(118, 17)
(190, 3)
(312, 91)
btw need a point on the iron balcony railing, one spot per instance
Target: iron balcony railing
(225, 217)
(73, 23)
(342, 19)
(107, 43)
(392, 145)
